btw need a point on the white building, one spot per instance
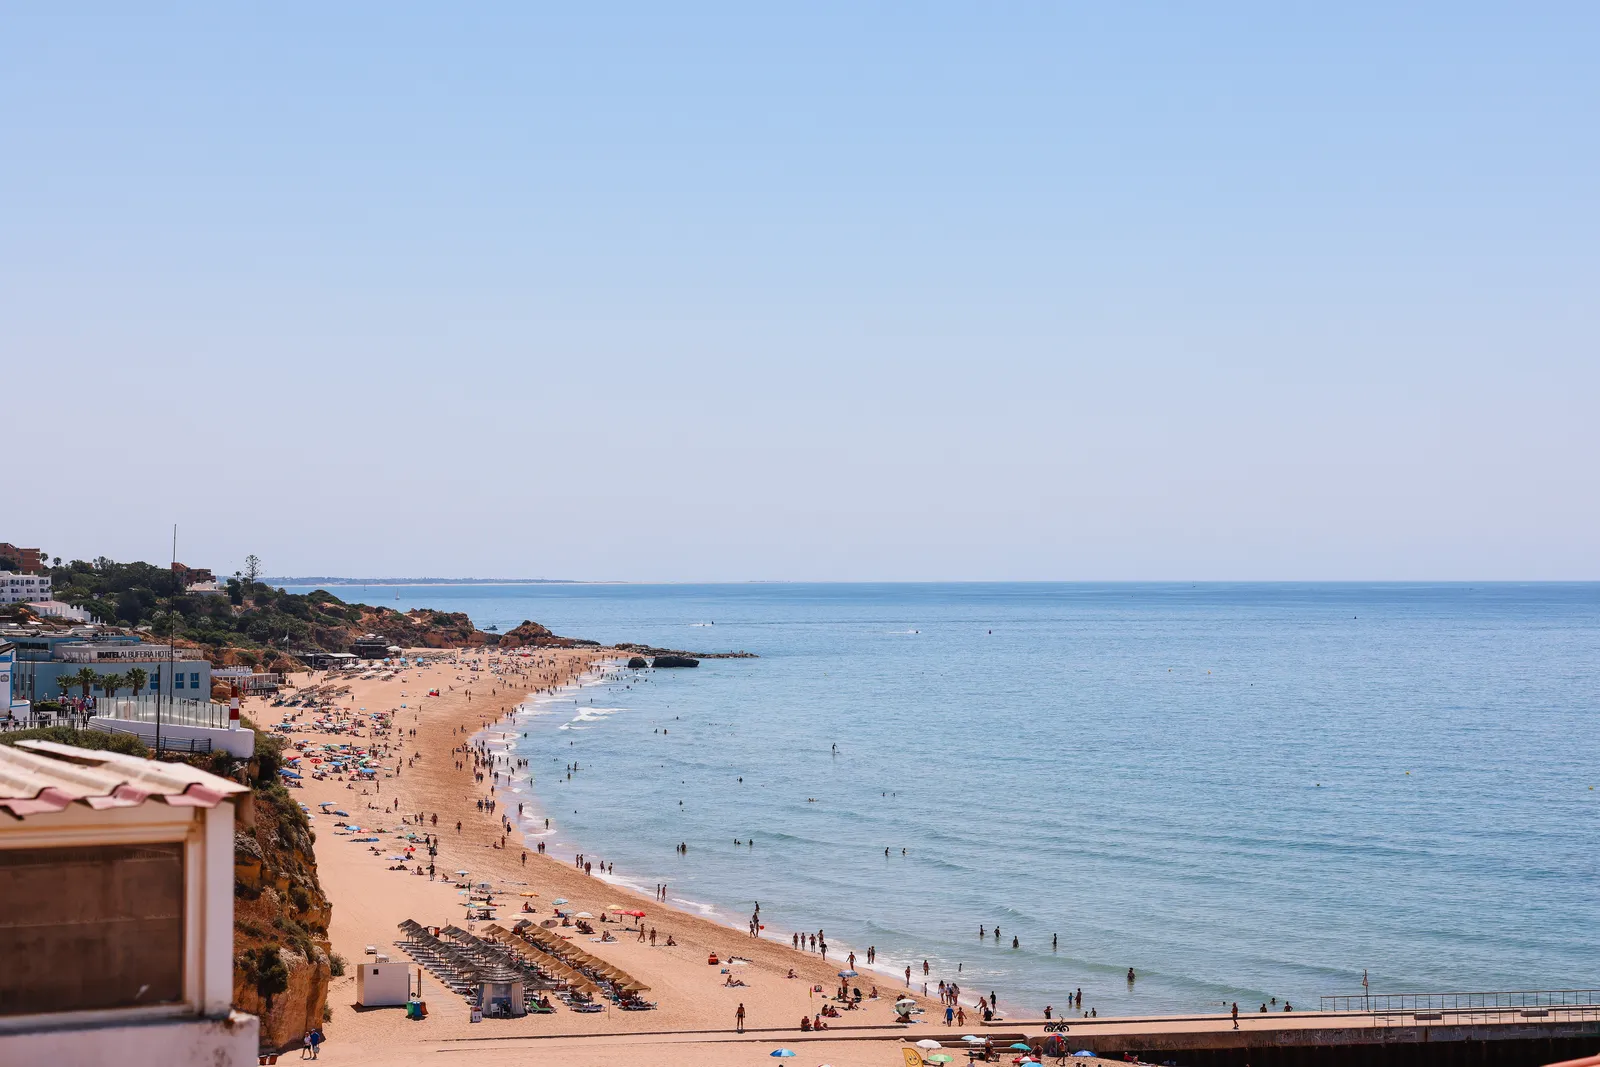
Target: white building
(55, 609)
(117, 936)
(21, 588)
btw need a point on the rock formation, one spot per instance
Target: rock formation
(282, 959)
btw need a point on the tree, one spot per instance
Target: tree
(86, 679)
(65, 682)
(110, 683)
(252, 567)
(137, 677)
(164, 623)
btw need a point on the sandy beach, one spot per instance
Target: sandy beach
(426, 772)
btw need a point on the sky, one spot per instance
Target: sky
(685, 292)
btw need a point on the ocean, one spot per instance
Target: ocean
(1241, 791)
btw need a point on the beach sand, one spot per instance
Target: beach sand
(695, 1018)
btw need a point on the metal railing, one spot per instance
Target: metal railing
(173, 712)
(1471, 1008)
(168, 742)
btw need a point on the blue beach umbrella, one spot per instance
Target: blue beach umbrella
(847, 974)
(1020, 1047)
(1083, 1052)
(781, 1052)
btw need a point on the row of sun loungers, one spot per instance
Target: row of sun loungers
(461, 961)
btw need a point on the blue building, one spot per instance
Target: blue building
(42, 658)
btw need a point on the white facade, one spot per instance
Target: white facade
(21, 588)
(55, 609)
(383, 985)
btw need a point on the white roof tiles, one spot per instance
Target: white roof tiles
(42, 776)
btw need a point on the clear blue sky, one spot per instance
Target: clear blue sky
(853, 291)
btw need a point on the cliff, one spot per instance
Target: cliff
(282, 959)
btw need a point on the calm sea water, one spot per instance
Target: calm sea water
(1241, 791)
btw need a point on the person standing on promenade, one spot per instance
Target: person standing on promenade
(1236, 1015)
(738, 1019)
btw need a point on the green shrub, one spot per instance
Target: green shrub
(127, 744)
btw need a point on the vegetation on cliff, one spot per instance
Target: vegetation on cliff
(249, 622)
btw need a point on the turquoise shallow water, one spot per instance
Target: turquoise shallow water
(1242, 791)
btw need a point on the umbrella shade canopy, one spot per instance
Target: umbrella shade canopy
(558, 900)
(463, 873)
(940, 1057)
(971, 1037)
(1083, 1052)
(1020, 1047)
(847, 974)
(930, 1043)
(781, 1052)
(583, 915)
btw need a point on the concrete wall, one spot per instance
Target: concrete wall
(240, 742)
(229, 1041)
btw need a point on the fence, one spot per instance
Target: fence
(168, 742)
(175, 712)
(1502, 1006)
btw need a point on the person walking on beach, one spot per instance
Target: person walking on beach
(738, 1020)
(1236, 1015)
(908, 977)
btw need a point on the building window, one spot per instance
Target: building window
(111, 935)
(194, 680)
(177, 679)
(155, 680)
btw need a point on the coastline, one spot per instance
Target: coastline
(369, 901)
(887, 977)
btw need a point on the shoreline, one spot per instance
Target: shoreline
(420, 774)
(714, 912)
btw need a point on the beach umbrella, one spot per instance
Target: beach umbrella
(781, 1052)
(1083, 1052)
(971, 1037)
(462, 874)
(558, 900)
(1020, 1047)
(847, 974)
(583, 915)
(930, 1043)
(940, 1057)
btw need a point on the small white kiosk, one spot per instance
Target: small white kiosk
(383, 985)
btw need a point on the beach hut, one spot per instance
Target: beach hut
(500, 992)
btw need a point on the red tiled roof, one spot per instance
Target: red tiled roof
(42, 776)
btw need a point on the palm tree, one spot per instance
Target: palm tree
(86, 679)
(65, 682)
(111, 683)
(136, 679)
